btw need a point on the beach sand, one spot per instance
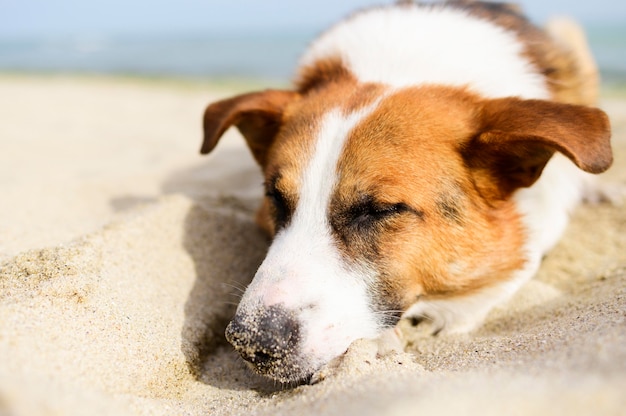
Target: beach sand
(123, 254)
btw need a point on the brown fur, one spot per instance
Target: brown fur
(407, 152)
(429, 148)
(323, 73)
(257, 115)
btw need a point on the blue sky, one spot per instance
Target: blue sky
(20, 18)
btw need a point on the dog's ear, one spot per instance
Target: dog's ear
(518, 137)
(257, 115)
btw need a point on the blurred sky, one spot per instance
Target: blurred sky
(35, 18)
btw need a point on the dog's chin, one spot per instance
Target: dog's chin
(289, 371)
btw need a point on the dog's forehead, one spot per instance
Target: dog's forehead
(382, 136)
(416, 119)
(410, 140)
(304, 122)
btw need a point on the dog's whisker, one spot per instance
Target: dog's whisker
(237, 296)
(389, 312)
(241, 289)
(388, 317)
(225, 302)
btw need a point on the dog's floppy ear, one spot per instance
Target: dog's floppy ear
(257, 115)
(518, 137)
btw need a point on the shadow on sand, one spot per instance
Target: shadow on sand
(226, 247)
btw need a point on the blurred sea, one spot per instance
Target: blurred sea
(250, 57)
(268, 57)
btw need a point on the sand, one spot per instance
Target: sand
(123, 253)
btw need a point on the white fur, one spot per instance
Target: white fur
(303, 270)
(547, 204)
(402, 46)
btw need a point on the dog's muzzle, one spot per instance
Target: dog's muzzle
(267, 337)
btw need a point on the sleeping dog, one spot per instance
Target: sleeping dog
(425, 160)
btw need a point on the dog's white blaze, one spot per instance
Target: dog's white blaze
(304, 271)
(404, 46)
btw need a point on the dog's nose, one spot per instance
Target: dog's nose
(264, 336)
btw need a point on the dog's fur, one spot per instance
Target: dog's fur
(407, 175)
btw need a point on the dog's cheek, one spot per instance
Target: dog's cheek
(421, 259)
(400, 281)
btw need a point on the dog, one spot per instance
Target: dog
(426, 159)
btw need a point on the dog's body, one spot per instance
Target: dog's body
(403, 175)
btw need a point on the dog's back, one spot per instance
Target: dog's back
(579, 82)
(494, 50)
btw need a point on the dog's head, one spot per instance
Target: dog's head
(379, 198)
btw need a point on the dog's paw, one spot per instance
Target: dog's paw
(390, 342)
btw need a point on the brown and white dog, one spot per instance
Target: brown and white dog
(425, 161)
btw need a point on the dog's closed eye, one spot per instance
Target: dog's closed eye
(359, 225)
(368, 213)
